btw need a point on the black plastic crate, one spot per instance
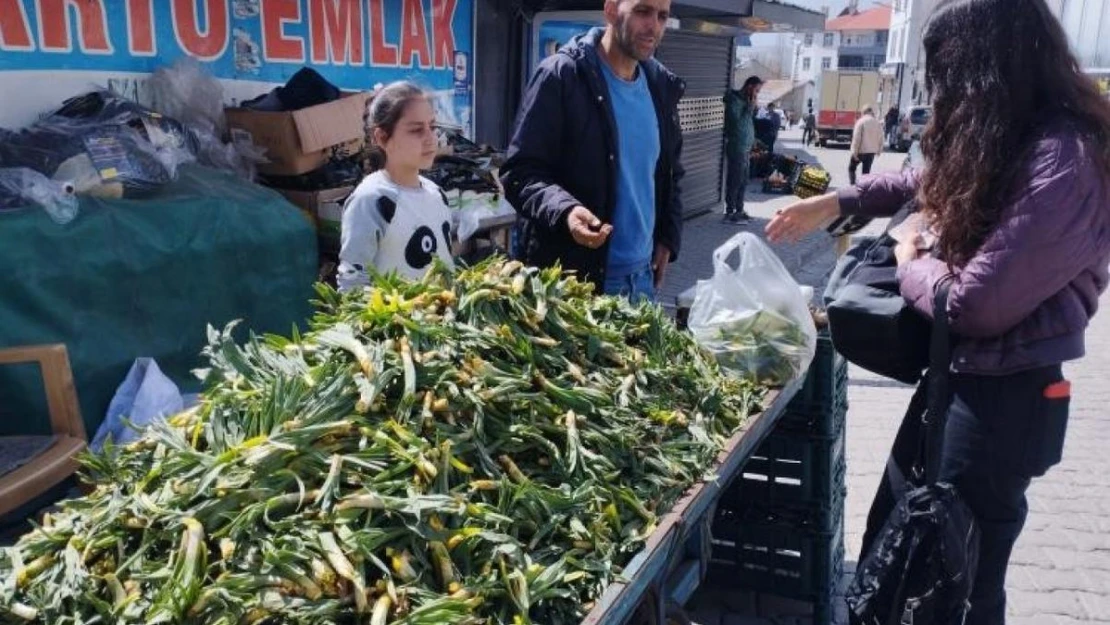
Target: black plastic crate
(773, 556)
(824, 424)
(816, 514)
(819, 407)
(826, 380)
(792, 472)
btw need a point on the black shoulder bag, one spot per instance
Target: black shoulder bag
(870, 322)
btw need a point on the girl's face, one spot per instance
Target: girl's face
(413, 143)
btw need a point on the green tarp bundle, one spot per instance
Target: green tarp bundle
(132, 278)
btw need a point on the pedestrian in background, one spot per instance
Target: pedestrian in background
(809, 133)
(892, 119)
(1016, 189)
(775, 117)
(740, 107)
(867, 143)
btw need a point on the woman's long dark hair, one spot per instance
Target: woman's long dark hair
(998, 71)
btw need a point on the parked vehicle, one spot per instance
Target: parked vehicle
(912, 127)
(843, 95)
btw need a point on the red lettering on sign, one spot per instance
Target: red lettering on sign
(414, 34)
(212, 41)
(443, 35)
(15, 31)
(92, 25)
(276, 45)
(336, 27)
(140, 27)
(381, 53)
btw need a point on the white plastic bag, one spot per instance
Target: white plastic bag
(185, 91)
(754, 318)
(473, 208)
(56, 198)
(145, 396)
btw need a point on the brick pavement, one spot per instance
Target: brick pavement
(1060, 573)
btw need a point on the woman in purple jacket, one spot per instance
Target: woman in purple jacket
(1017, 191)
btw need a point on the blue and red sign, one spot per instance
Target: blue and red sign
(354, 43)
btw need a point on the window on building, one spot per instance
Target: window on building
(806, 64)
(881, 37)
(826, 62)
(809, 40)
(829, 40)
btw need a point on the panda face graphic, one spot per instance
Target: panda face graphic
(409, 242)
(421, 248)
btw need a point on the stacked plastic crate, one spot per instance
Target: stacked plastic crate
(779, 529)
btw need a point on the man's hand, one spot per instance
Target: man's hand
(659, 263)
(586, 229)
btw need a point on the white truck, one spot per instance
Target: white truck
(842, 96)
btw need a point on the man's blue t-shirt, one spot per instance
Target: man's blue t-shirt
(632, 241)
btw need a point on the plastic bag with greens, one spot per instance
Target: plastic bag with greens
(754, 317)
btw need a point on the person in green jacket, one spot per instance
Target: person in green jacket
(740, 109)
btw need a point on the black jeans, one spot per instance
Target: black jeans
(1001, 433)
(866, 159)
(808, 135)
(739, 171)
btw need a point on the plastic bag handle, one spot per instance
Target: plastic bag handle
(720, 255)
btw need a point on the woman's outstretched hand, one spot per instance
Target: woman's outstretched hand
(801, 218)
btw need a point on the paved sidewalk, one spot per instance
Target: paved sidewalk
(1060, 572)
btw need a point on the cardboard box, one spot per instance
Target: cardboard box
(298, 142)
(326, 206)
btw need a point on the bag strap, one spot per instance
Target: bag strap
(940, 364)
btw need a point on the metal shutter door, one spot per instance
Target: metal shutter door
(705, 63)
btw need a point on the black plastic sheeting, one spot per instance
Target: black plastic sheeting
(923, 565)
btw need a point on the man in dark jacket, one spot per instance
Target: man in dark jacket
(740, 106)
(593, 166)
(891, 124)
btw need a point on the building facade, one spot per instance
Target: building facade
(1087, 23)
(814, 53)
(855, 40)
(904, 70)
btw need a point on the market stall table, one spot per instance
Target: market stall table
(673, 562)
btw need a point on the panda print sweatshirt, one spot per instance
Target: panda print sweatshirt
(388, 227)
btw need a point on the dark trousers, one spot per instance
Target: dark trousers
(739, 172)
(1001, 433)
(866, 160)
(808, 135)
